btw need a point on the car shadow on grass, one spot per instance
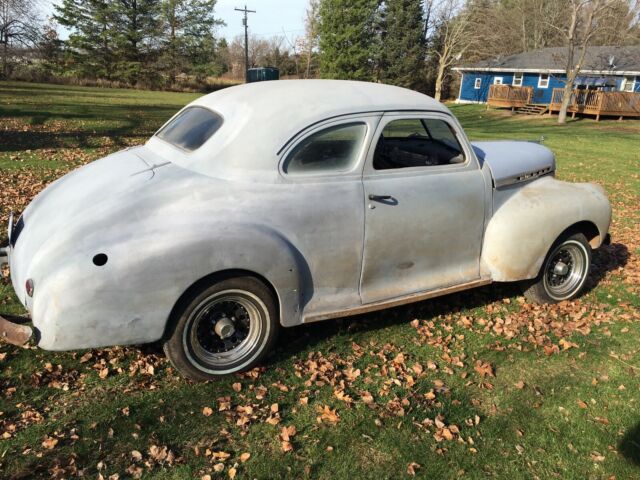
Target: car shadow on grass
(629, 446)
(608, 258)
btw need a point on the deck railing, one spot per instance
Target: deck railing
(509, 96)
(596, 102)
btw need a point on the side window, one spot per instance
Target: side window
(417, 143)
(334, 149)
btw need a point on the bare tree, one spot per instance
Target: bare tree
(309, 43)
(586, 19)
(453, 29)
(19, 22)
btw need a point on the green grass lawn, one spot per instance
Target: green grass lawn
(473, 385)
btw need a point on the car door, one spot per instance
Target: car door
(424, 207)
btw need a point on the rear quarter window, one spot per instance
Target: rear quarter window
(191, 128)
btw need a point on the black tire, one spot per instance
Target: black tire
(563, 273)
(199, 342)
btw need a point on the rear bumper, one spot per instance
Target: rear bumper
(14, 333)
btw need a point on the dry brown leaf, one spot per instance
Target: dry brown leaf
(245, 456)
(136, 455)
(328, 415)
(207, 411)
(412, 467)
(49, 442)
(236, 387)
(485, 369)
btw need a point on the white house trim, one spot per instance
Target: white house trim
(461, 80)
(629, 73)
(625, 83)
(498, 80)
(544, 83)
(477, 83)
(518, 78)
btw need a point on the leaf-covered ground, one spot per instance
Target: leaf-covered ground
(473, 385)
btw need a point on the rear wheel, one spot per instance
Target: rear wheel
(564, 271)
(224, 328)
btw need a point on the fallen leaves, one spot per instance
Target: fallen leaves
(484, 369)
(49, 442)
(328, 415)
(412, 467)
(286, 436)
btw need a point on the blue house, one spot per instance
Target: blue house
(605, 69)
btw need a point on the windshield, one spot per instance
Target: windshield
(191, 128)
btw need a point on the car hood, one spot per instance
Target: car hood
(514, 162)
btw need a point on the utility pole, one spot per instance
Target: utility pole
(246, 40)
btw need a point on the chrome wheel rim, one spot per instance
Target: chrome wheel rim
(566, 270)
(223, 330)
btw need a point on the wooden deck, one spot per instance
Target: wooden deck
(509, 96)
(598, 103)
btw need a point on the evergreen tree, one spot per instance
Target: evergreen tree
(348, 39)
(190, 43)
(91, 45)
(403, 56)
(136, 27)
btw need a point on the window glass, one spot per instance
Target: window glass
(628, 84)
(477, 83)
(417, 143)
(191, 128)
(497, 81)
(334, 149)
(517, 79)
(543, 81)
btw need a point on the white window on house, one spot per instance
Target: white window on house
(517, 79)
(497, 80)
(477, 83)
(543, 80)
(628, 84)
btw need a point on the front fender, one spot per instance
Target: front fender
(524, 227)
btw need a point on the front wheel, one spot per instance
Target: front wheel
(224, 328)
(564, 271)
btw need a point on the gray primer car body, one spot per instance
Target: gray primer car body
(167, 218)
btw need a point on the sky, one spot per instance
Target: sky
(272, 17)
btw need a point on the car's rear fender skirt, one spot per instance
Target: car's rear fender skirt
(130, 299)
(274, 260)
(524, 227)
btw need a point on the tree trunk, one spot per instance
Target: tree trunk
(5, 52)
(439, 81)
(566, 98)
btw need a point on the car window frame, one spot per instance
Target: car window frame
(369, 119)
(470, 163)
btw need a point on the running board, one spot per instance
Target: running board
(396, 302)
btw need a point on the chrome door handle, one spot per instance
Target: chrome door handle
(379, 197)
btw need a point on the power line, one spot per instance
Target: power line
(245, 22)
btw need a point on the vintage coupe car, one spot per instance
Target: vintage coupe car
(282, 203)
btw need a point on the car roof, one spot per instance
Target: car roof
(260, 118)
